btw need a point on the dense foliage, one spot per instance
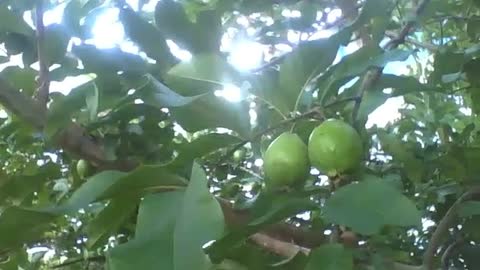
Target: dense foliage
(147, 163)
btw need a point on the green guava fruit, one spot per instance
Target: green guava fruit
(285, 162)
(83, 168)
(335, 147)
(239, 155)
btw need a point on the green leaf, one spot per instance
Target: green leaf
(74, 11)
(171, 19)
(402, 85)
(469, 209)
(475, 97)
(207, 32)
(302, 65)
(149, 221)
(200, 221)
(470, 68)
(371, 100)
(473, 27)
(330, 257)
(367, 206)
(12, 22)
(91, 101)
(147, 37)
(148, 254)
(18, 187)
(64, 108)
(396, 147)
(113, 184)
(194, 73)
(20, 225)
(160, 95)
(354, 65)
(200, 147)
(57, 41)
(446, 62)
(21, 78)
(268, 209)
(214, 112)
(109, 61)
(152, 247)
(109, 220)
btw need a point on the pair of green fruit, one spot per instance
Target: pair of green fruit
(334, 147)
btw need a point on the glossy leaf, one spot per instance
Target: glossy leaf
(11, 22)
(109, 220)
(469, 209)
(201, 147)
(367, 206)
(147, 37)
(18, 225)
(200, 221)
(299, 67)
(218, 73)
(158, 94)
(330, 257)
(111, 184)
(213, 112)
(152, 246)
(56, 47)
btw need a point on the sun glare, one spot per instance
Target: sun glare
(246, 55)
(230, 92)
(108, 31)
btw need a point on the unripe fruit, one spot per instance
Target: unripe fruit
(335, 147)
(82, 168)
(285, 162)
(239, 155)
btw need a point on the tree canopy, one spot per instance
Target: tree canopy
(148, 153)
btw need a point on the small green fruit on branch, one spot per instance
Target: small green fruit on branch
(335, 147)
(286, 162)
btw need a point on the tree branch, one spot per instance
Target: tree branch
(316, 111)
(99, 258)
(21, 105)
(289, 250)
(268, 130)
(278, 247)
(372, 76)
(427, 46)
(449, 251)
(43, 80)
(443, 226)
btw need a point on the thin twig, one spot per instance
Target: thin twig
(443, 226)
(43, 80)
(79, 260)
(313, 112)
(427, 46)
(267, 130)
(447, 254)
(252, 173)
(271, 63)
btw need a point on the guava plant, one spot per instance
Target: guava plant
(239, 134)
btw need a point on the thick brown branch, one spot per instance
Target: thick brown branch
(21, 105)
(278, 247)
(43, 80)
(289, 250)
(443, 226)
(449, 252)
